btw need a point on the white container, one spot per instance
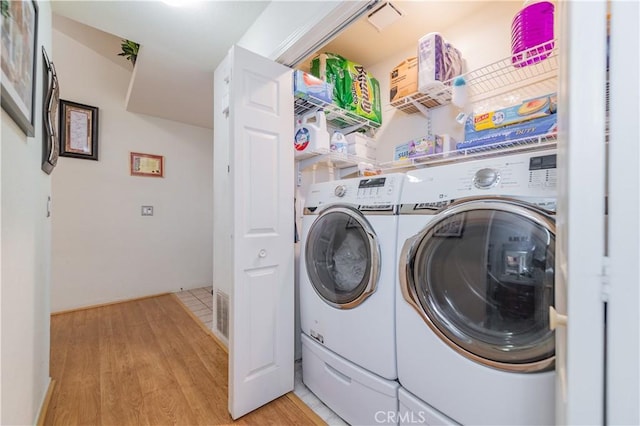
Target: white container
(311, 134)
(361, 146)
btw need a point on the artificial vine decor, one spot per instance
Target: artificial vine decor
(129, 50)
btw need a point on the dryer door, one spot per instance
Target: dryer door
(481, 275)
(342, 256)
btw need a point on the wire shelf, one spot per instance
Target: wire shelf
(525, 75)
(337, 117)
(493, 150)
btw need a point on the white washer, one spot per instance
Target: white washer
(347, 294)
(476, 242)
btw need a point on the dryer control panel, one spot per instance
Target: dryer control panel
(525, 175)
(362, 191)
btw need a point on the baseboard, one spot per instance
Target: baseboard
(202, 326)
(115, 302)
(44, 408)
(315, 418)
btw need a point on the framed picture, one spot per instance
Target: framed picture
(51, 94)
(146, 165)
(78, 130)
(18, 64)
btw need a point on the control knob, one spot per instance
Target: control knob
(486, 178)
(340, 190)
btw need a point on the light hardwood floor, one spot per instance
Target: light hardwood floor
(146, 362)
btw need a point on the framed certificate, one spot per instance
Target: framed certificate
(146, 164)
(78, 130)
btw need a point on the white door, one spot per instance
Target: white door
(623, 319)
(260, 124)
(580, 227)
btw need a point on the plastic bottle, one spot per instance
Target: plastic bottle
(338, 142)
(311, 133)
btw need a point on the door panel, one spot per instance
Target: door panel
(260, 122)
(623, 318)
(262, 194)
(342, 255)
(580, 214)
(490, 301)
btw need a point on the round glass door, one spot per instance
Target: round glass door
(342, 257)
(482, 276)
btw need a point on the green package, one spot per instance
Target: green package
(333, 67)
(354, 89)
(364, 98)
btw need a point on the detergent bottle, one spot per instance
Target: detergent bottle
(338, 142)
(311, 133)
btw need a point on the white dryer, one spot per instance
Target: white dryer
(347, 294)
(476, 242)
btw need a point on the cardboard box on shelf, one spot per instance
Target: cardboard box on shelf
(404, 79)
(529, 129)
(527, 110)
(437, 144)
(420, 147)
(401, 151)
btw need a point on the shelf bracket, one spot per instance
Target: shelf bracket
(303, 164)
(345, 171)
(426, 112)
(350, 129)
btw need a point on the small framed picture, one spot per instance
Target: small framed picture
(146, 164)
(78, 130)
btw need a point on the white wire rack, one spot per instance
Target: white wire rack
(497, 149)
(337, 117)
(525, 75)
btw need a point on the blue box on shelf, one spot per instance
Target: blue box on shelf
(306, 85)
(522, 131)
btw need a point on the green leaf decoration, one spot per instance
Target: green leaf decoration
(129, 50)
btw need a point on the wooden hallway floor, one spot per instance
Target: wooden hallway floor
(146, 362)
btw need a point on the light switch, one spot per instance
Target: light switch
(147, 210)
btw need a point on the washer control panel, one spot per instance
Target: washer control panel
(362, 191)
(522, 175)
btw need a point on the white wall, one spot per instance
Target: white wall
(103, 249)
(25, 234)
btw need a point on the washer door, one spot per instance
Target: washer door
(343, 257)
(481, 275)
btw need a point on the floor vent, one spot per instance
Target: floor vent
(222, 313)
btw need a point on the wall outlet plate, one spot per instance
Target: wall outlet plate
(147, 210)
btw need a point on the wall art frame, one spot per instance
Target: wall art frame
(50, 126)
(19, 38)
(78, 130)
(146, 164)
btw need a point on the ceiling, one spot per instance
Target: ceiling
(181, 46)
(362, 43)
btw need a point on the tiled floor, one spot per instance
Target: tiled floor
(200, 302)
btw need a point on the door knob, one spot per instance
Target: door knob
(262, 253)
(556, 319)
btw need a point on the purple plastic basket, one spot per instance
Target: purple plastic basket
(531, 29)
